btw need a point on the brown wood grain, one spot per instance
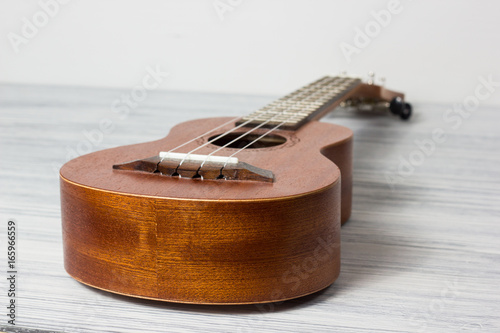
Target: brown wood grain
(217, 242)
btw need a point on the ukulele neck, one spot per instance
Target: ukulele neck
(308, 103)
(287, 113)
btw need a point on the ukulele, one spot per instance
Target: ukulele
(222, 210)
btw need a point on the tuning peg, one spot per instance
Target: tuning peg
(398, 107)
(406, 114)
(371, 77)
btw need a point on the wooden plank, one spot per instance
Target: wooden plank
(423, 256)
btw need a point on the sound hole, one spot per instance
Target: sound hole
(265, 142)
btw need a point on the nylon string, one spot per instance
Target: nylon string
(304, 95)
(300, 95)
(309, 96)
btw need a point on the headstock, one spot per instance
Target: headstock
(369, 95)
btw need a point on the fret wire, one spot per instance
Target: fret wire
(246, 120)
(307, 100)
(302, 103)
(253, 141)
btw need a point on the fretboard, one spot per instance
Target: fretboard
(307, 103)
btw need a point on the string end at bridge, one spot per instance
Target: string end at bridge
(182, 157)
(214, 168)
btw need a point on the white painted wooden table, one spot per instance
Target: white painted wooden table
(423, 256)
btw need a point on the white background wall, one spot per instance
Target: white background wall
(432, 50)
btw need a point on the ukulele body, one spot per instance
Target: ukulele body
(210, 241)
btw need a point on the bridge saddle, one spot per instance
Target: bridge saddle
(201, 167)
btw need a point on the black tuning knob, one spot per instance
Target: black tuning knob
(398, 107)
